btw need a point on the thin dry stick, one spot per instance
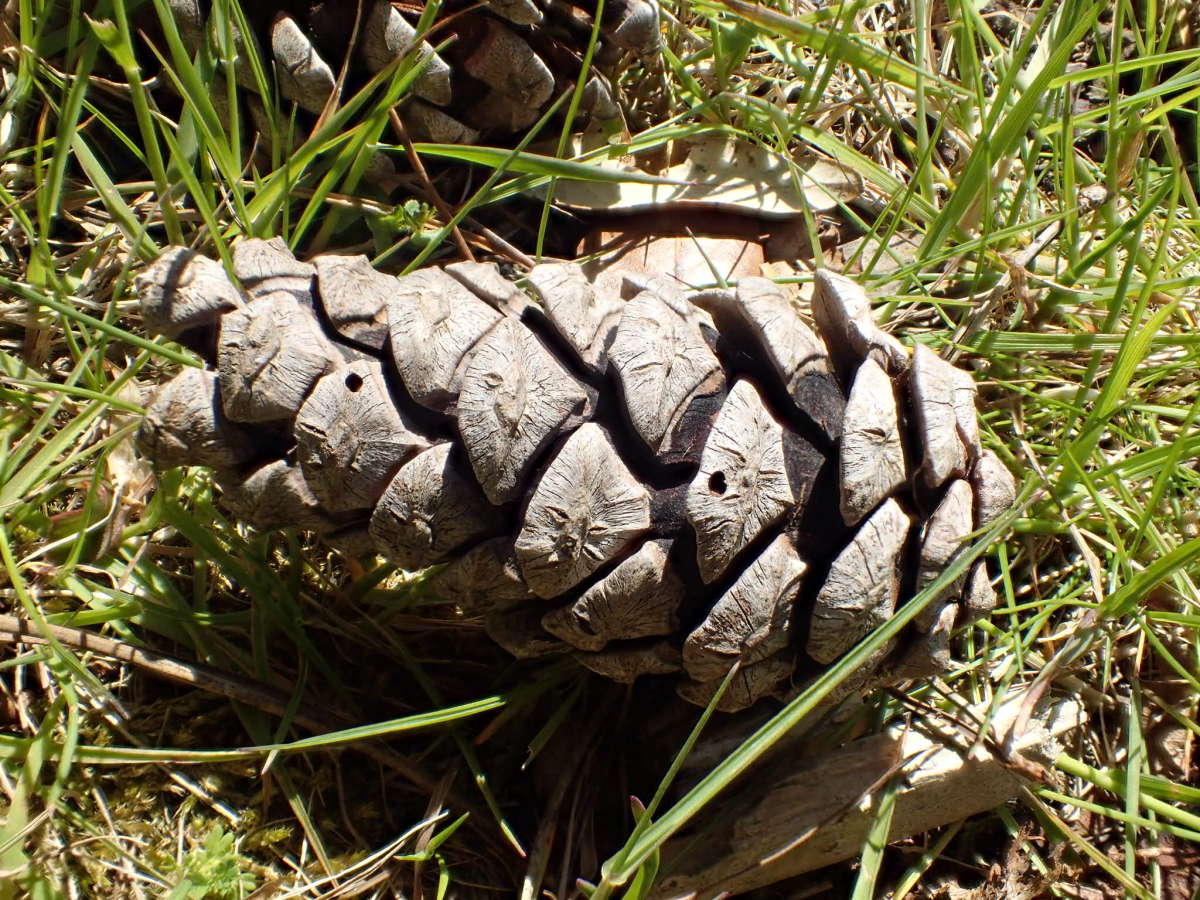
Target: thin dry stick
(501, 245)
(414, 160)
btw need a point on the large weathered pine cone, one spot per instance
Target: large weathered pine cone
(507, 58)
(661, 482)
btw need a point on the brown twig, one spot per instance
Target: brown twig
(501, 245)
(414, 159)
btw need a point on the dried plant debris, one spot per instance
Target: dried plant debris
(720, 173)
(593, 474)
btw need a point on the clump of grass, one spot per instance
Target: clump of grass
(212, 744)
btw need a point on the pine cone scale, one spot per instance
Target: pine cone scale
(599, 474)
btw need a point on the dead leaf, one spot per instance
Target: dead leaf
(685, 262)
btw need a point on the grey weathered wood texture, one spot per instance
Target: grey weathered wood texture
(586, 509)
(182, 290)
(514, 400)
(663, 364)
(872, 457)
(641, 597)
(269, 355)
(810, 812)
(351, 439)
(354, 296)
(664, 484)
(431, 508)
(185, 425)
(742, 486)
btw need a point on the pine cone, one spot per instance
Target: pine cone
(660, 483)
(505, 62)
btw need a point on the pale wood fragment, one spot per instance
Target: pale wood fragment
(625, 665)
(351, 439)
(872, 457)
(431, 508)
(587, 320)
(742, 486)
(275, 496)
(750, 621)
(486, 282)
(842, 312)
(506, 63)
(663, 364)
(434, 323)
(269, 267)
(748, 686)
(515, 398)
(182, 289)
(185, 426)
(807, 814)
(941, 542)
(936, 389)
(639, 598)
(304, 78)
(860, 592)
(387, 36)
(979, 597)
(269, 355)
(587, 508)
(354, 296)
(482, 578)
(994, 487)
